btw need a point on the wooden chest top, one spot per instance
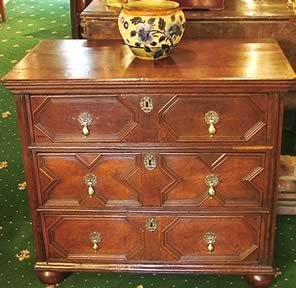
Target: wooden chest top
(197, 61)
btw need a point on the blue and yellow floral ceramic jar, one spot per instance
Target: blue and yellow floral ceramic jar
(151, 28)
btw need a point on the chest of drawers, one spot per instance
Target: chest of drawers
(165, 166)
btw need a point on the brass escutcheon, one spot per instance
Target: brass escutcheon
(85, 119)
(212, 118)
(146, 104)
(151, 224)
(90, 180)
(150, 162)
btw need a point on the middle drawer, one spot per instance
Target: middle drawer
(156, 179)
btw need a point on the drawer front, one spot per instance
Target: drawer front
(216, 118)
(82, 119)
(148, 238)
(105, 238)
(212, 239)
(90, 179)
(192, 180)
(152, 119)
(213, 179)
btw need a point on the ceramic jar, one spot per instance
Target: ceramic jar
(151, 28)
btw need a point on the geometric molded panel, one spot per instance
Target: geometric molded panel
(242, 179)
(69, 237)
(62, 179)
(241, 118)
(237, 238)
(55, 119)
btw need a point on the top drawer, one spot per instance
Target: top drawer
(212, 118)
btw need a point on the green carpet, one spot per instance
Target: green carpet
(28, 22)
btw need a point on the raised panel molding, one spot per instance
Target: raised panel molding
(118, 119)
(173, 117)
(243, 174)
(178, 232)
(54, 170)
(129, 240)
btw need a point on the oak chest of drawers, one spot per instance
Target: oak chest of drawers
(165, 166)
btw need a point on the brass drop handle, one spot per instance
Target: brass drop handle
(90, 180)
(211, 181)
(85, 119)
(95, 238)
(210, 239)
(212, 118)
(85, 130)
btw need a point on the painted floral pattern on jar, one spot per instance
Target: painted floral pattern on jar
(153, 30)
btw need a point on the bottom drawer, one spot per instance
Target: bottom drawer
(154, 238)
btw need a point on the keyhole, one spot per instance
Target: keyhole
(146, 104)
(150, 162)
(151, 224)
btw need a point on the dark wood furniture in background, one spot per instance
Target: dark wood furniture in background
(179, 157)
(202, 4)
(239, 19)
(2, 11)
(76, 7)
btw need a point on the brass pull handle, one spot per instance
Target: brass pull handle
(210, 239)
(151, 224)
(90, 181)
(150, 162)
(95, 238)
(85, 120)
(212, 181)
(146, 104)
(212, 118)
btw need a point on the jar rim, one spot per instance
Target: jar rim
(146, 5)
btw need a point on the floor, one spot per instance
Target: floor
(28, 22)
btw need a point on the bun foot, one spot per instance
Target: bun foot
(51, 278)
(260, 281)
